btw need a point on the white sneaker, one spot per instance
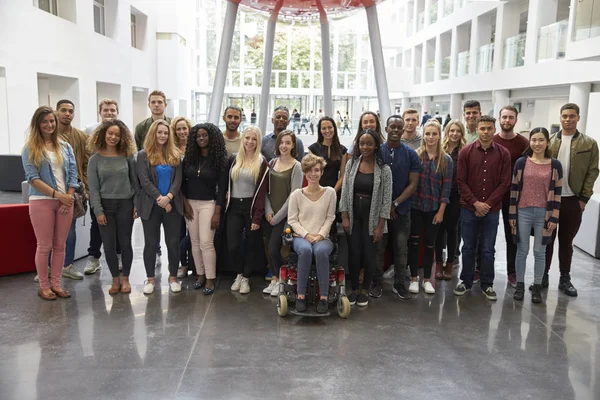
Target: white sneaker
(428, 287)
(275, 291)
(182, 272)
(270, 288)
(92, 266)
(120, 261)
(414, 286)
(70, 272)
(149, 288)
(389, 273)
(237, 283)
(245, 286)
(175, 287)
(36, 279)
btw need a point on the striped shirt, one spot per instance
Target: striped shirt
(433, 188)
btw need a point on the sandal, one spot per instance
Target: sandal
(62, 293)
(199, 284)
(46, 296)
(208, 290)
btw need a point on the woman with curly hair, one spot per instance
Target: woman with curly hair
(159, 171)
(114, 189)
(204, 188)
(181, 126)
(365, 206)
(51, 171)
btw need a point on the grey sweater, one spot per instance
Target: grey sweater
(381, 201)
(111, 178)
(297, 178)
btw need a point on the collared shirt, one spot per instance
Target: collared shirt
(434, 187)
(402, 161)
(471, 137)
(268, 147)
(483, 175)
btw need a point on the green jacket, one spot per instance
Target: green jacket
(142, 128)
(583, 169)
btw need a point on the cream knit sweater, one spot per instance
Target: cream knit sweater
(307, 216)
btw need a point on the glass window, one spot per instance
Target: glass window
(133, 32)
(49, 6)
(99, 26)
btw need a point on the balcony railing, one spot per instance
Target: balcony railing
(463, 64)
(433, 11)
(448, 7)
(587, 19)
(445, 68)
(552, 41)
(420, 21)
(485, 58)
(514, 51)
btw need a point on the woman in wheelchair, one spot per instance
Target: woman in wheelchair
(311, 212)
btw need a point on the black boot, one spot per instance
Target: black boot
(300, 305)
(519, 291)
(565, 286)
(536, 294)
(544, 284)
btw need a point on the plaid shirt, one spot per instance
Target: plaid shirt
(434, 188)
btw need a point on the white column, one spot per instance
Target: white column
(378, 62)
(453, 52)
(405, 21)
(326, 63)
(425, 105)
(456, 106)
(415, 16)
(541, 13)
(501, 98)
(579, 93)
(474, 46)
(424, 63)
(263, 112)
(437, 68)
(427, 18)
(405, 102)
(572, 15)
(216, 100)
(288, 64)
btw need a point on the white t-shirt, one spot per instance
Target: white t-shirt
(59, 176)
(564, 156)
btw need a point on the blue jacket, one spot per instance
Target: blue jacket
(44, 172)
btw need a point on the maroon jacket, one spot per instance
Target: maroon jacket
(260, 193)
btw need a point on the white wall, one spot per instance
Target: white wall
(4, 137)
(540, 112)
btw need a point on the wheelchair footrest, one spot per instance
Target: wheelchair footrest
(310, 312)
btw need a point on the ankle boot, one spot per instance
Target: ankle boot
(439, 269)
(448, 271)
(519, 291)
(536, 294)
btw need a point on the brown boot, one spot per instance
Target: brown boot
(448, 271)
(116, 286)
(439, 266)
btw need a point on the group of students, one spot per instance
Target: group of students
(416, 190)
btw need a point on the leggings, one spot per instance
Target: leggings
(118, 228)
(202, 237)
(238, 222)
(449, 227)
(274, 247)
(171, 223)
(361, 243)
(421, 221)
(51, 230)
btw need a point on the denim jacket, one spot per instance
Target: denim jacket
(44, 172)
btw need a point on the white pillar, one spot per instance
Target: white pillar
(425, 105)
(572, 16)
(501, 98)
(579, 93)
(216, 100)
(265, 91)
(453, 52)
(427, 19)
(326, 63)
(405, 102)
(424, 63)
(541, 13)
(437, 68)
(507, 25)
(378, 62)
(415, 16)
(456, 106)
(474, 46)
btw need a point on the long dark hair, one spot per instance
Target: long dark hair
(217, 153)
(356, 150)
(359, 130)
(529, 151)
(336, 148)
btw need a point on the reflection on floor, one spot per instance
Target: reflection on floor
(231, 346)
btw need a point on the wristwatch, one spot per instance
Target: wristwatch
(396, 203)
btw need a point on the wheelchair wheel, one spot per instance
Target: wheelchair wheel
(343, 307)
(282, 305)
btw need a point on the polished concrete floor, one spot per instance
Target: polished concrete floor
(232, 346)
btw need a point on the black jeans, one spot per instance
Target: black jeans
(118, 228)
(96, 238)
(511, 247)
(449, 228)
(275, 243)
(239, 221)
(421, 221)
(185, 247)
(361, 244)
(171, 223)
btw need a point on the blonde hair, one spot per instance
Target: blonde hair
(169, 154)
(35, 141)
(174, 123)
(106, 102)
(310, 161)
(462, 143)
(240, 159)
(440, 154)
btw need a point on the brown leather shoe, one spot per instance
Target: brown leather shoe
(46, 296)
(439, 265)
(116, 286)
(60, 292)
(448, 271)
(125, 286)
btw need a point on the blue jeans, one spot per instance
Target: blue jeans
(484, 228)
(527, 218)
(71, 241)
(305, 251)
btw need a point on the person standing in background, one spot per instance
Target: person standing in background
(411, 137)
(157, 103)
(471, 113)
(107, 109)
(253, 117)
(233, 139)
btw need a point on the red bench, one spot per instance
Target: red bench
(17, 241)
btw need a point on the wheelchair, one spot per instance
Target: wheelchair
(288, 277)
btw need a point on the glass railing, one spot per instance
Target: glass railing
(433, 11)
(420, 21)
(552, 41)
(587, 19)
(429, 74)
(445, 68)
(485, 58)
(463, 64)
(448, 7)
(514, 51)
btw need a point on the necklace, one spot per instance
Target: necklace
(200, 167)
